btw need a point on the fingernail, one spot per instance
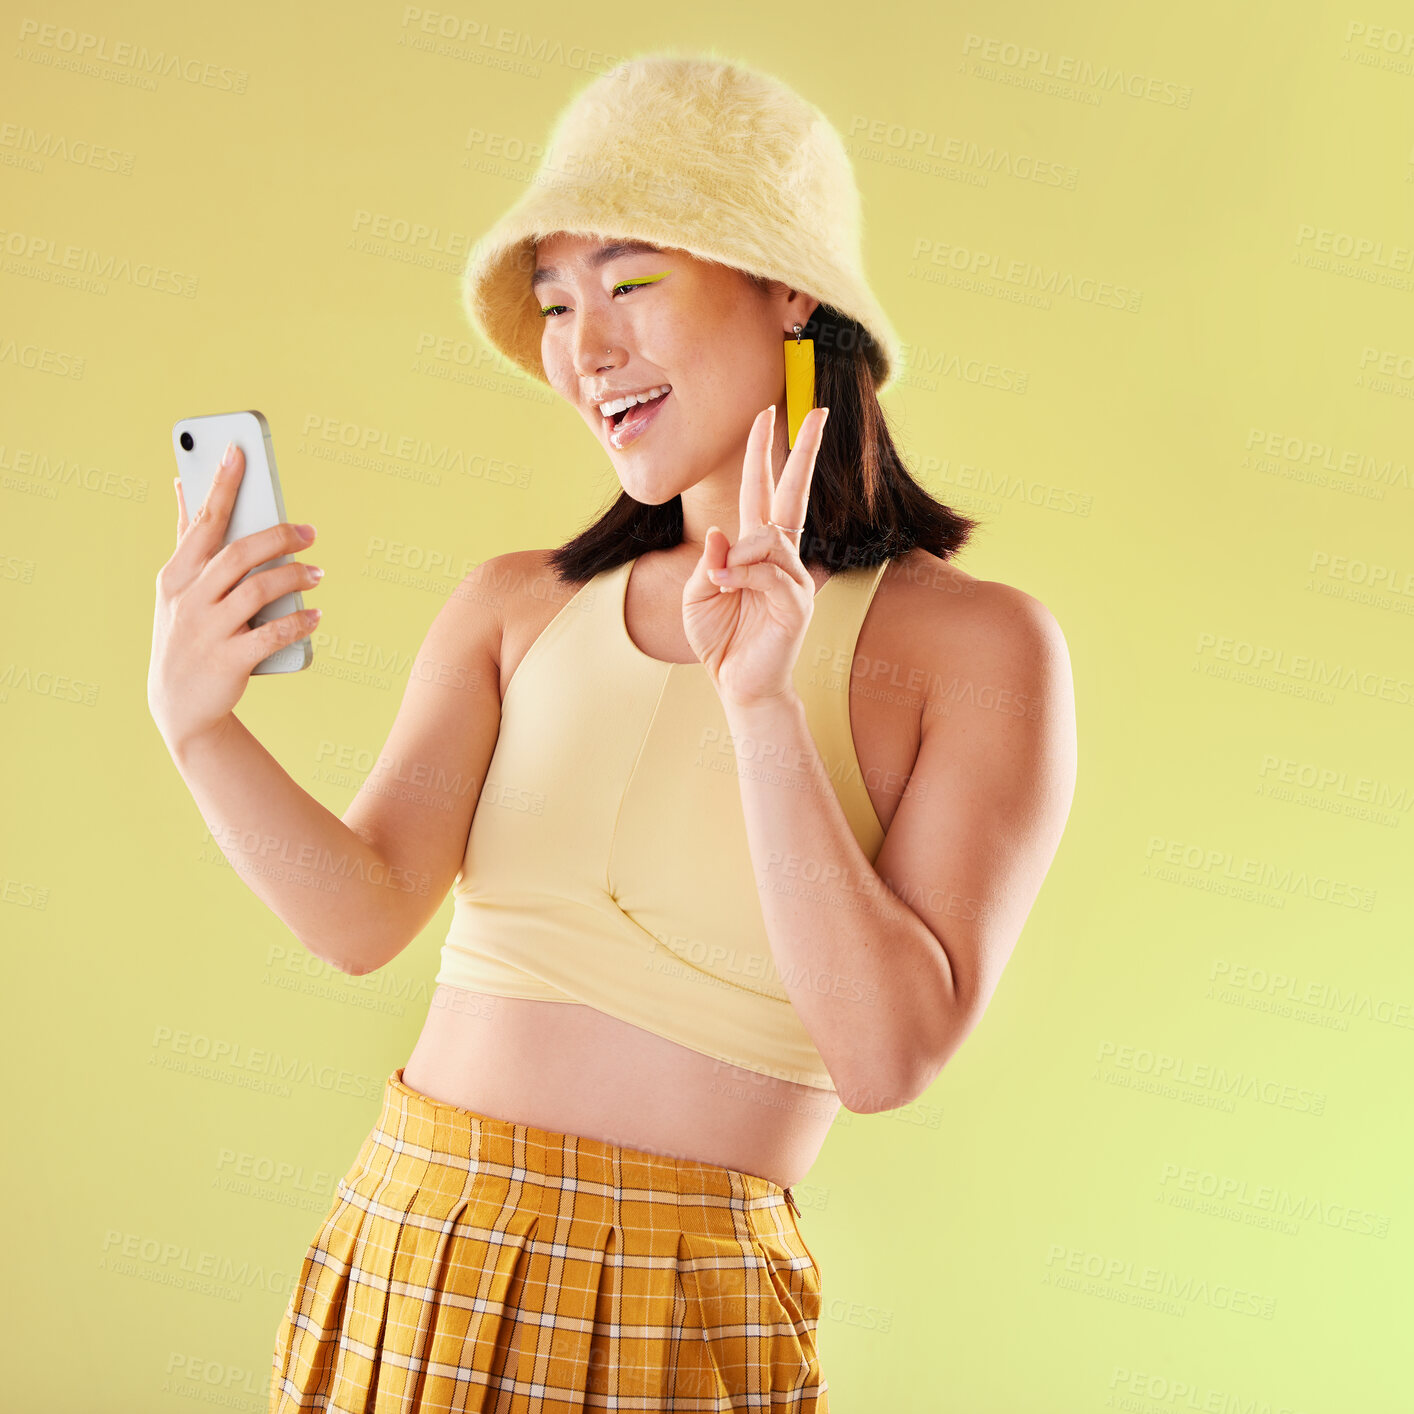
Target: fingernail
(228, 457)
(306, 533)
(717, 575)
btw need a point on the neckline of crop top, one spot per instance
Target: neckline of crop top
(616, 581)
(627, 571)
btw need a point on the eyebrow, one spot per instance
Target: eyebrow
(602, 256)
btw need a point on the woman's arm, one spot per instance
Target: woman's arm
(891, 965)
(357, 890)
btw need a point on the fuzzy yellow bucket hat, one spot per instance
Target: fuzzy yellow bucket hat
(696, 152)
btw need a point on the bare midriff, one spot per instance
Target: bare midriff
(573, 1069)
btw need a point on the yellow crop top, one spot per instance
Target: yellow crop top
(608, 862)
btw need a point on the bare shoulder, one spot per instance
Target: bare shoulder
(931, 601)
(512, 597)
(974, 640)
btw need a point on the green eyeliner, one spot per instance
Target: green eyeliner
(642, 280)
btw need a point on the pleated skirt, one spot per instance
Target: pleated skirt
(475, 1264)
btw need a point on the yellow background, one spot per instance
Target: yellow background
(1154, 274)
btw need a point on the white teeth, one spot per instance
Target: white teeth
(619, 404)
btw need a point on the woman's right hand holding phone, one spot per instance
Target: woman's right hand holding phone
(203, 648)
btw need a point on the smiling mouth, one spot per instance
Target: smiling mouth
(617, 419)
(624, 428)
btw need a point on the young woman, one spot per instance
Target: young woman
(745, 793)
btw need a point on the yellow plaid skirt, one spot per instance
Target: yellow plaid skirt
(470, 1263)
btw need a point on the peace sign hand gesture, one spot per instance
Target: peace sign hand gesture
(747, 624)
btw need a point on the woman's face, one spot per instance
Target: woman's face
(624, 316)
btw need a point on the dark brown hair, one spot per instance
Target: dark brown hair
(865, 505)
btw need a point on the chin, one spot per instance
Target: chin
(653, 475)
(649, 485)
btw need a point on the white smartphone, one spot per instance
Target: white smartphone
(199, 443)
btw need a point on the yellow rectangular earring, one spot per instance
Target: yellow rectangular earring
(800, 383)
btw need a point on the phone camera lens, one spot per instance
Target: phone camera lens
(186, 440)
